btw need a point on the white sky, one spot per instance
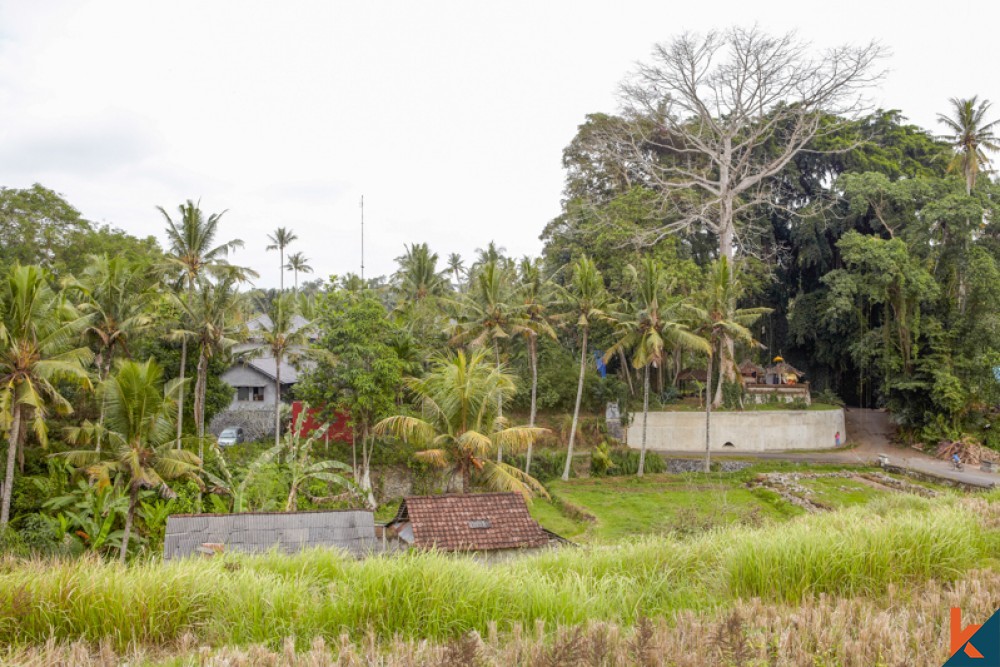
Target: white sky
(450, 117)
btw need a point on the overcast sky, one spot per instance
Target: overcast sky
(449, 117)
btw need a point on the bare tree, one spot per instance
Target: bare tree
(714, 117)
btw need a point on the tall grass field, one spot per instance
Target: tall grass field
(238, 601)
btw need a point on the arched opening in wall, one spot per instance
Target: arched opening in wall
(729, 444)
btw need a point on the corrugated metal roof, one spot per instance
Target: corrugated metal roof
(351, 530)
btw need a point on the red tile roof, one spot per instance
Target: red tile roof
(471, 522)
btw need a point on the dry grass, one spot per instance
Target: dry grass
(907, 626)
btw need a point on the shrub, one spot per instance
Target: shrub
(626, 462)
(546, 464)
(601, 463)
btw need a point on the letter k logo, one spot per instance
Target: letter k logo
(960, 636)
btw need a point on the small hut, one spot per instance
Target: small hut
(751, 372)
(783, 372)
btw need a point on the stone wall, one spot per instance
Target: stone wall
(752, 431)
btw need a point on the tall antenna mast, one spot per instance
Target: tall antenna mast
(362, 238)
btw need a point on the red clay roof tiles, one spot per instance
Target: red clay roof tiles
(472, 522)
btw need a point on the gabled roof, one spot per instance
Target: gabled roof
(352, 530)
(785, 368)
(266, 366)
(471, 522)
(748, 367)
(263, 322)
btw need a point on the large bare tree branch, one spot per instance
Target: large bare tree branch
(725, 112)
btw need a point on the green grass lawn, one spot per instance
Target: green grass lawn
(625, 507)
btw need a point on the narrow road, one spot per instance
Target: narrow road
(869, 434)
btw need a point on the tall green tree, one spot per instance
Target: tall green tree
(720, 319)
(214, 326)
(421, 291)
(456, 267)
(39, 337)
(971, 136)
(358, 372)
(38, 226)
(535, 294)
(490, 313)
(584, 302)
(119, 293)
(193, 256)
(281, 239)
(460, 395)
(139, 429)
(650, 326)
(298, 263)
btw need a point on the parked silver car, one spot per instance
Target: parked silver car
(230, 436)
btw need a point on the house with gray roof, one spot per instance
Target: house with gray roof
(253, 376)
(258, 532)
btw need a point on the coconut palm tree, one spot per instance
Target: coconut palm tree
(284, 337)
(39, 335)
(420, 288)
(651, 324)
(585, 302)
(192, 256)
(418, 277)
(456, 267)
(139, 430)
(116, 292)
(969, 134)
(460, 395)
(298, 262)
(720, 320)
(214, 325)
(281, 239)
(535, 295)
(490, 314)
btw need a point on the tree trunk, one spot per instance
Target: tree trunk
(628, 371)
(533, 353)
(20, 450)
(576, 408)
(180, 396)
(727, 367)
(277, 402)
(8, 483)
(496, 348)
(645, 418)
(133, 500)
(105, 370)
(366, 477)
(199, 402)
(708, 417)
(354, 452)
(466, 477)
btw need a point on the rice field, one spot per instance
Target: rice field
(885, 548)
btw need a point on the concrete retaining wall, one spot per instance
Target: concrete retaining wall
(754, 431)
